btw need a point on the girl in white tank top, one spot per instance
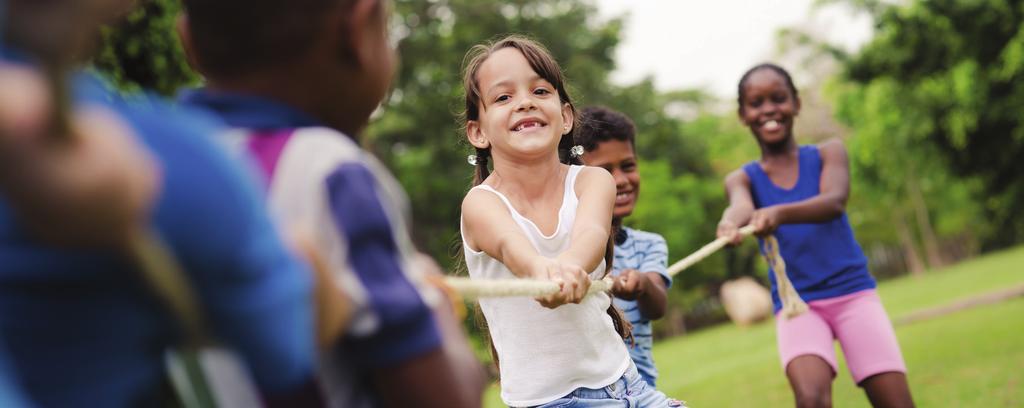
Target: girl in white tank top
(535, 217)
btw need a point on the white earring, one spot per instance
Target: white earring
(576, 151)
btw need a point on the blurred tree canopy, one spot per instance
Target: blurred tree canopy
(944, 79)
(142, 51)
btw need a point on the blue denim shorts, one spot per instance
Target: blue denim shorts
(629, 391)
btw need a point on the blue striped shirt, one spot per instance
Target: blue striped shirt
(645, 252)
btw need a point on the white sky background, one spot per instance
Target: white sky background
(709, 44)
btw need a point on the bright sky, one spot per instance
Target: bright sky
(710, 43)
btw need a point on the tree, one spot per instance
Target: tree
(952, 72)
(142, 51)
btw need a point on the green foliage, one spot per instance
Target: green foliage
(143, 52)
(942, 81)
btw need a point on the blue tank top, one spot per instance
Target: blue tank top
(822, 259)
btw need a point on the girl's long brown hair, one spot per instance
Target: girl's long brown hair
(546, 67)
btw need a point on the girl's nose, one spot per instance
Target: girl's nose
(525, 103)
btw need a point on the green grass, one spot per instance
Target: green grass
(971, 358)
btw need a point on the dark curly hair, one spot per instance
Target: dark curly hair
(601, 124)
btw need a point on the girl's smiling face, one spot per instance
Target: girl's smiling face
(520, 113)
(768, 106)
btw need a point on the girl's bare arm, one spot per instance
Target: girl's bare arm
(596, 190)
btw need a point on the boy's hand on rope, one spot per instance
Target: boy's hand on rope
(729, 229)
(631, 284)
(572, 280)
(765, 221)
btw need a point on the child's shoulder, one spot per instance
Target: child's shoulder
(314, 153)
(481, 201)
(739, 177)
(831, 149)
(594, 178)
(592, 172)
(832, 143)
(321, 142)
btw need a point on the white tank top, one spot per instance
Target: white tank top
(547, 353)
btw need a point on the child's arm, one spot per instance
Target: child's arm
(588, 242)
(648, 289)
(741, 206)
(827, 205)
(488, 227)
(649, 283)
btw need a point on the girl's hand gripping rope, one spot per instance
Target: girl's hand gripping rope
(573, 282)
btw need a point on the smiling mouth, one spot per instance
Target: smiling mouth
(623, 198)
(771, 125)
(528, 124)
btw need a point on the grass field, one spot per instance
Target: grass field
(970, 358)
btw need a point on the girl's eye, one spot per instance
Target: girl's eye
(779, 98)
(755, 103)
(502, 98)
(541, 91)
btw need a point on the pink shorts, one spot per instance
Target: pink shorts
(857, 320)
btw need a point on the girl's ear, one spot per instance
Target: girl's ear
(475, 135)
(567, 118)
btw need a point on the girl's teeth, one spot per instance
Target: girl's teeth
(771, 125)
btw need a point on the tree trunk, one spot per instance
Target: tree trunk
(910, 255)
(924, 224)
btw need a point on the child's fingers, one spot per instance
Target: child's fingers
(582, 286)
(618, 284)
(758, 221)
(574, 292)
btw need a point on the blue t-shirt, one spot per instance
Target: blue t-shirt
(83, 327)
(645, 252)
(320, 177)
(10, 392)
(822, 259)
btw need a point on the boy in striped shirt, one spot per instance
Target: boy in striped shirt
(641, 257)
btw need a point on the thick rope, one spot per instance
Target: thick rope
(792, 304)
(705, 252)
(475, 289)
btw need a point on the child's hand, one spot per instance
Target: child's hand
(572, 279)
(765, 221)
(729, 230)
(93, 188)
(631, 284)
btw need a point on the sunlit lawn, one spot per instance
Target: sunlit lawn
(971, 358)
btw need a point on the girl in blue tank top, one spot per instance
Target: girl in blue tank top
(799, 193)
